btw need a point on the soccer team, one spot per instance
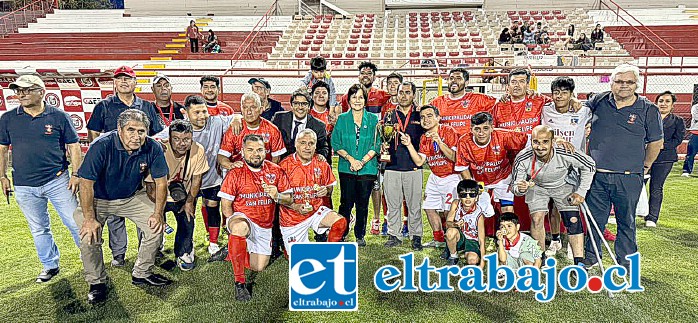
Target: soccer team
(265, 174)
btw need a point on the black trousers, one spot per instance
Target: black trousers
(355, 191)
(194, 42)
(184, 235)
(658, 175)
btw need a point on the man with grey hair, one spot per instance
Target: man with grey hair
(111, 184)
(626, 137)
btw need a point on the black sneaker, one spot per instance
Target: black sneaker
(47, 275)
(589, 264)
(417, 244)
(361, 242)
(152, 280)
(219, 255)
(249, 286)
(445, 254)
(452, 261)
(393, 241)
(241, 292)
(321, 237)
(119, 261)
(97, 294)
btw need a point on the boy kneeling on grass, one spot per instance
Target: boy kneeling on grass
(466, 225)
(516, 249)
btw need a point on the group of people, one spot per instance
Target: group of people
(525, 32)
(264, 174)
(210, 42)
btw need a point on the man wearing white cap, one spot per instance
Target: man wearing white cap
(40, 135)
(162, 90)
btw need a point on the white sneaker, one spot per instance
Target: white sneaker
(611, 220)
(651, 224)
(570, 255)
(213, 248)
(434, 244)
(553, 248)
(685, 175)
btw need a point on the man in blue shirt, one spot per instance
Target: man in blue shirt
(626, 137)
(269, 106)
(39, 135)
(111, 184)
(103, 120)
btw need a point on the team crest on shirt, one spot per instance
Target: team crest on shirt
(291, 240)
(143, 166)
(496, 149)
(271, 178)
(317, 172)
(465, 103)
(48, 129)
(265, 137)
(574, 121)
(529, 106)
(631, 118)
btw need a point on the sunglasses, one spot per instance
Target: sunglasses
(467, 194)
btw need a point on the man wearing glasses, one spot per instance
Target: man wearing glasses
(291, 123)
(626, 137)
(40, 135)
(104, 119)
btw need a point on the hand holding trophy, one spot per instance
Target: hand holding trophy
(386, 130)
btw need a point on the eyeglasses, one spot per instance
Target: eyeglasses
(300, 104)
(27, 91)
(467, 194)
(619, 82)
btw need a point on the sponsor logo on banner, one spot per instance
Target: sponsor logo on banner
(90, 98)
(2, 103)
(51, 84)
(53, 99)
(105, 82)
(323, 277)
(72, 101)
(66, 83)
(78, 122)
(11, 100)
(91, 101)
(5, 81)
(86, 82)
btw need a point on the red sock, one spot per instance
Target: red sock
(439, 236)
(385, 207)
(237, 251)
(337, 230)
(204, 215)
(404, 209)
(213, 234)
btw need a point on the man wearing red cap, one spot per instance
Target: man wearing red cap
(104, 119)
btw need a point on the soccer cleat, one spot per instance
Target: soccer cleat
(445, 254)
(501, 276)
(417, 243)
(651, 224)
(213, 248)
(452, 261)
(361, 242)
(241, 292)
(384, 229)
(375, 227)
(393, 241)
(152, 280)
(553, 248)
(119, 261)
(220, 255)
(46, 275)
(685, 175)
(97, 294)
(431, 244)
(405, 229)
(608, 235)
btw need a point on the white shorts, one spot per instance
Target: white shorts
(501, 190)
(259, 240)
(438, 193)
(299, 232)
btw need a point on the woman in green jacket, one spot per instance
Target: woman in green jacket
(355, 140)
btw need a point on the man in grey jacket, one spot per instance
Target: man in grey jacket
(542, 172)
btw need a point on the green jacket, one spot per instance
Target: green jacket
(344, 138)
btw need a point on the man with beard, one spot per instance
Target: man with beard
(458, 106)
(543, 173)
(210, 88)
(320, 106)
(311, 180)
(269, 106)
(168, 109)
(249, 196)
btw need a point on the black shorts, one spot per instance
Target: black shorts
(210, 193)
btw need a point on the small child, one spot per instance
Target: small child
(516, 249)
(318, 72)
(466, 225)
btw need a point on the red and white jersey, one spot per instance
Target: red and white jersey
(520, 116)
(489, 163)
(244, 187)
(457, 113)
(324, 117)
(304, 180)
(438, 163)
(220, 108)
(232, 144)
(470, 219)
(569, 125)
(387, 107)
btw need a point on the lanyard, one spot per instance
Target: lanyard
(167, 121)
(402, 127)
(533, 166)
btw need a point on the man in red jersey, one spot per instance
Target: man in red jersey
(483, 156)
(458, 106)
(231, 147)
(249, 195)
(522, 111)
(210, 88)
(311, 180)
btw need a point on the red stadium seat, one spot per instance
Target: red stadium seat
(521, 13)
(312, 31)
(424, 24)
(511, 13)
(464, 40)
(481, 53)
(300, 55)
(457, 18)
(446, 19)
(357, 25)
(434, 14)
(303, 48)
(368, 30)
(317, 42)
(531, 46)
(556, 12)
(363, 55)
(354, 36)
(453, 54)
(427, 54)
(322, 31)
(455, 62)
(325, 26)
(415, 62)
(467, 13)
(323, 36)
(477, 40)
(426, 35)
(533, 12)
(363, 48)
(370, 20)
(365, 41)
(314, 26)
(353, 41)
(325, 55)
(360, 15)
(561, 33)
(548, 17)
(369, 26)
(414, 54)
(337, 55)
(435, 19)
(537, 17)
(414, 29)
(440, 54)
(438, 35)
(514, 18)
(469, 61)
(350, 55)
(544, 46)
(560, 17)
(413, 19)
(545, 12)
(348, 62)
(445, 13)
(315, 48)
(414, 35)
(413, 14)
(425, 29)
(423, 14)
(455, 13)
(413, 25)
(474, 33)
(468, 53)
(351, 48)
(466, 46)
(308, 36)
(450, 35)
(336, 63)
(306, 42)
(536, 52)
(356, 31)
(462, 34)
(371, 15)
(442, 62)
(549, 52)
(424, 19)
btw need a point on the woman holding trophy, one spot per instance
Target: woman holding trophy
(355, 141)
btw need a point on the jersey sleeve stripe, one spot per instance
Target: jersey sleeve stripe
(226, 196)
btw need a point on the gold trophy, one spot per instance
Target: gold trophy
(386, 130)
(306, 197)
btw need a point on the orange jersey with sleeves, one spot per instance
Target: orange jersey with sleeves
(221, 108)
(387, 107)
(302, 180)
(324, 117)
(244, 187)
(489, 163)
(273, 143)
(457, 113)
(438, 163)
(376, 100)
(520, 116)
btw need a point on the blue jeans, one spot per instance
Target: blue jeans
(691, 151)
(33, 201)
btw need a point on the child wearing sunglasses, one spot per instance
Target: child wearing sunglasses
(466, 225)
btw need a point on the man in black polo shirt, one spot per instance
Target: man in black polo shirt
(39, 135)
(103, 120)
(269, 106)
(403, 178)
(167, 109)
(626, 137)
(111, 184)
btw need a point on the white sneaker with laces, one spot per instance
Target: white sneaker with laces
(651, 224)
(685, 175)
(570, 255)
(213, 248)
(553, 248)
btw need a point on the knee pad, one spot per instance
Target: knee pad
(572, 227)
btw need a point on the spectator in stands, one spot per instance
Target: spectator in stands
(505, 36)
(488, 70)
(168, 109)
(528, 36)
(692, 143)
(544, 38)
(674, 130)
(583, 42)
(318, 73)
(210, 87)
(269, 106)
(516, 35)
(570, 31)
(597, 35)
(212, 45)
(193, 34)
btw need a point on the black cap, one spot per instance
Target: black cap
(260, 80)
